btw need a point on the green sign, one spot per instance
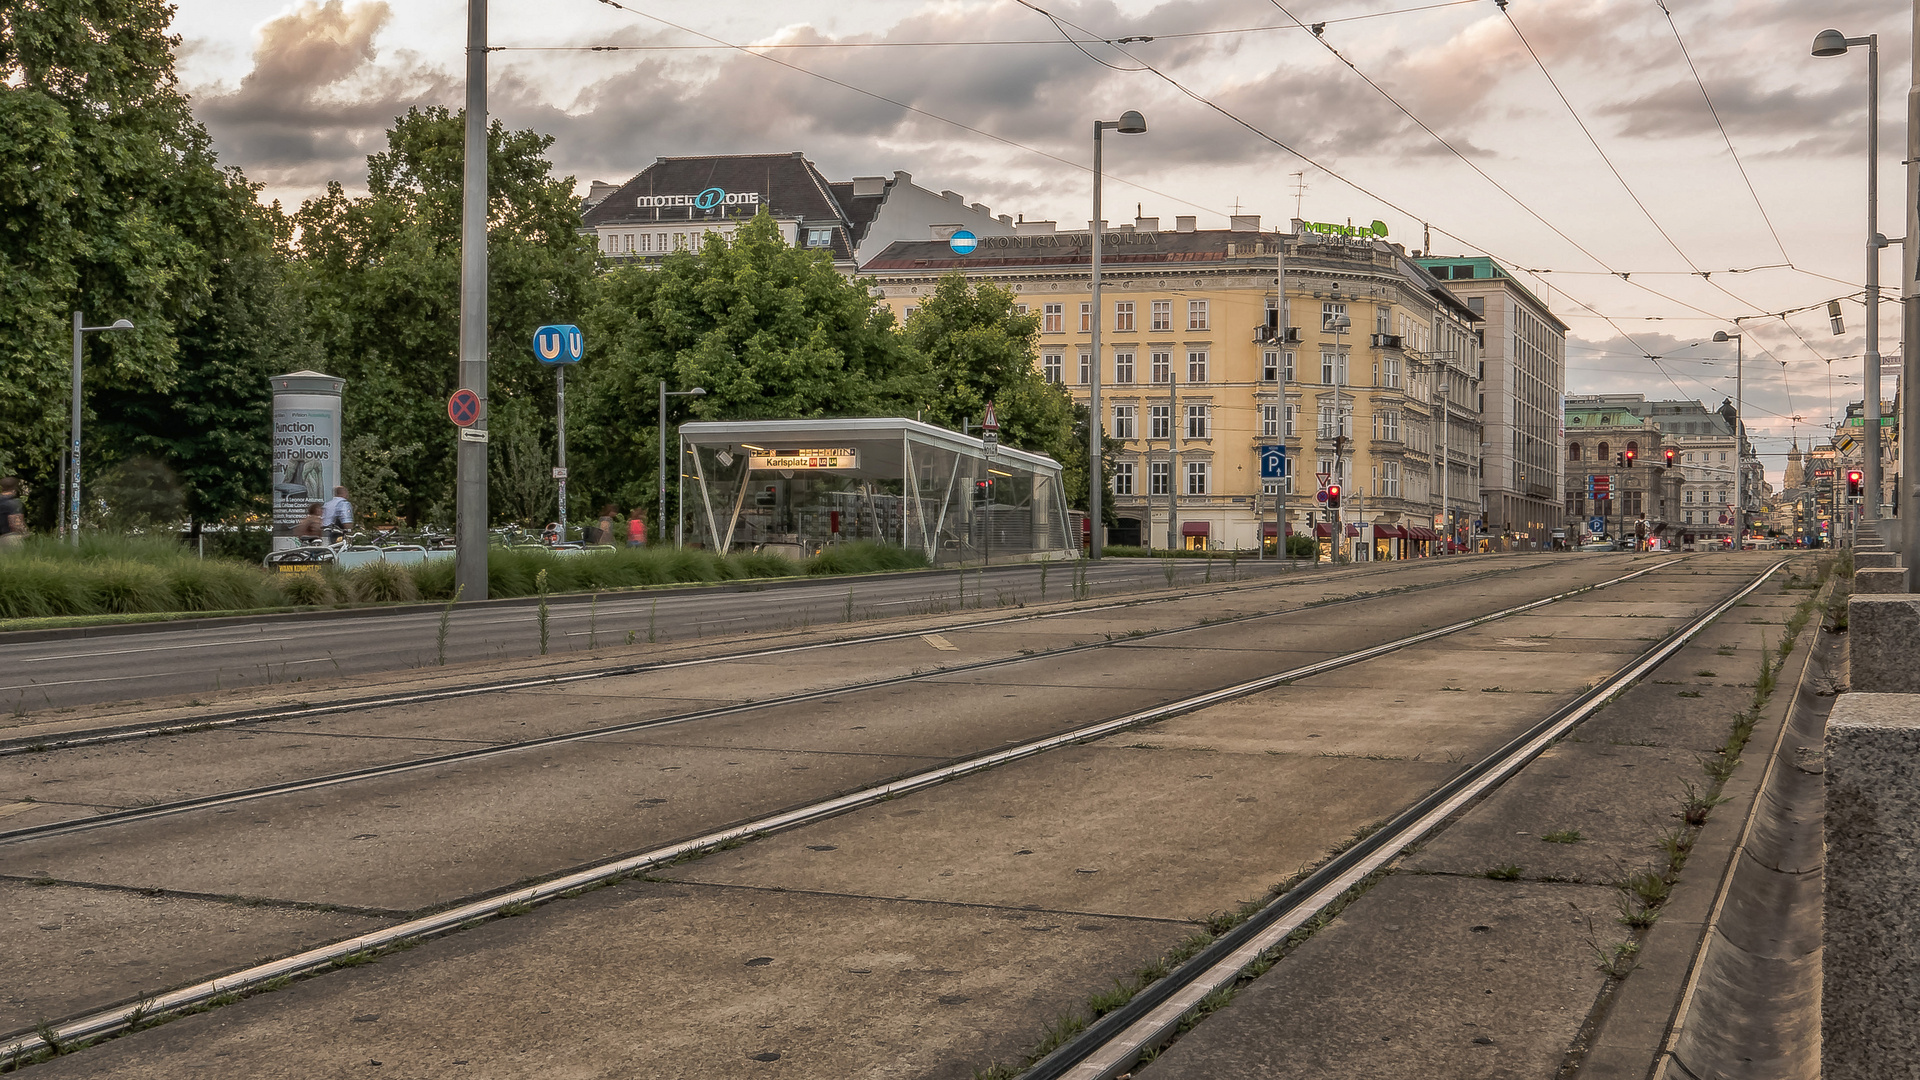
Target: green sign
(1378, 228)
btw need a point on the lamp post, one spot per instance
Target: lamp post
(1339, 324)
(1130, 123)
(1834, 43)
(664, 395)
(72, 459)
(1740, 422)
(1446, 508)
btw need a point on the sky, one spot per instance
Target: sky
(1656, 170)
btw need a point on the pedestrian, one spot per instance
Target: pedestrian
(636, 529)
(13, 521)
(309, 527)
(607, 514)
(337, 516)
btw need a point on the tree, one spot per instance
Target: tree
(111, 203)
(767, 329)
(980, 348)
(382, 278)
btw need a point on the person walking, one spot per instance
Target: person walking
(607, 514)
(636, 529)
(308, 528)
(337, 516)
(13, 520)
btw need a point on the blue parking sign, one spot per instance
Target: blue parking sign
(1273, 462)
(1596, 525)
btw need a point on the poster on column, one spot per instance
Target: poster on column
(306, 448)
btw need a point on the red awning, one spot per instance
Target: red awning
(1194, 528)
(1353, 530)
(1388, 532)
(1421, 532)
(1271, 530)
(1323, 531)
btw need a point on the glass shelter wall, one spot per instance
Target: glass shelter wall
(797, 486)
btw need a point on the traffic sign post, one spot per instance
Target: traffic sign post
(963, 242)
(463, 408)
(1273, 466)
(560, 346)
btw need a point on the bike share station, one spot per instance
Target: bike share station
(793, 487)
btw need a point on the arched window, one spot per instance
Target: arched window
(1573, 451)
(1633, 448)
(1600, 454)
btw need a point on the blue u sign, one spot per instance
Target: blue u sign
(558, 344)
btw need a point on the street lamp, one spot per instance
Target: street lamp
(73, 451)
(1130, 123)
(1740, 422)
(1339, 323)
(1834, 43)
(664, 395)
(1446, 503)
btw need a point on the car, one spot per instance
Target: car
(1599, 543)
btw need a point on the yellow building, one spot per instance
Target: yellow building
(1196, 377)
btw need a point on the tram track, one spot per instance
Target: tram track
(171, 808)
(80, 739)
(461, 914)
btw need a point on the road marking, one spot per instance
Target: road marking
(939, 642)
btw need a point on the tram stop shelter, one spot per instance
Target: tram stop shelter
(797, 486)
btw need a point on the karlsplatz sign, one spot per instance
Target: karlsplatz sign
(709, 199)
(832, 458)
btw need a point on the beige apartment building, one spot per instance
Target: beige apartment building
(1197, 375)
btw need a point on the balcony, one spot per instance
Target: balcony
(1387, 341)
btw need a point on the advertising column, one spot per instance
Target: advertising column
(306, 447)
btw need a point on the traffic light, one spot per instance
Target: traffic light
(1630, 455)
(982, 492)
(1853, 483)
(1620, 460)
(1670, 457)
(1333, 496)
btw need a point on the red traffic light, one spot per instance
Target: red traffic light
(1333, 495)
(1670, 456)
(1853, 476)
(1631, 454)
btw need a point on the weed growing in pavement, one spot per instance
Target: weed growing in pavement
(1043, 580)
(1564, 836)
(846, 615)
(1697, 802)
(593, 620)
(653, 614)
(1081, 590)
(1492, 690)
(1615, 960)
(1689, 693)
(1453, 689)
(1724, 650)
(1647, 888)
(1169, 568)
(1703, 673)
(513, 910)
(440, 639)
(632, 636)
(1505, 872)
(540, 583)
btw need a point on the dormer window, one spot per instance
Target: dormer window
(819, 238)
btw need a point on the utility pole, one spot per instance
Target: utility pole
(1173, 455)
(1910, 335)
(470, 453)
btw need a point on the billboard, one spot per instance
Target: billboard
(306, 447)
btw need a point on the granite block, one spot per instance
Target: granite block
(1884, 633)
(1871, 943)
(1864, 558)
(1880, 580)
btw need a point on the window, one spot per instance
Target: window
(1573, 451)
(1196, 478)
(1390, 426)
(1634, 505)
(1086, 368)
(1052, 367)
(1162, 366)
(1326, 422)
(1333, 368)
(1687, 498)
(1477, 304)
(1383, 320)
(1019, 309)
(679, 241)
(819, 238)
(1123, 478)
(1086, 317)
(1723, 455)
(1289, 416)
(1197, 421)
(661, 238)
(1329, 309)
(1688, 517)
(1163, 314)
(1160, 422)
(1159, 478)
(908, 314)
(1123, 367)
(1269, 421)
(1196, 315)
(1601, 454)
(1390, 486)
(1053, 319)
(1270, 366)
(1723, 498)
(1123, 426)
(1197, 366)
(1390, 371)
(1123, 316)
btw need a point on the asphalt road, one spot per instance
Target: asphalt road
(141, 662)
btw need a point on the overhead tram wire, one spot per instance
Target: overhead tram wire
(894, 102)
(1705, 276)
(1361, 188)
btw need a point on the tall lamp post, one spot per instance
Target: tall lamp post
(1740, 423)
(72, 459)
(1834, 43)
(664, 395)
(1446, 503)
(1339, 324)
(1130, 123)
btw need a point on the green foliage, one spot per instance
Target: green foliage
(383, 582)
(864, 557)
(119, 575)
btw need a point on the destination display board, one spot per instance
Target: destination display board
(842, 458)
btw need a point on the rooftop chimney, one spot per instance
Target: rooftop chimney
(1244, 223)
(869, 185)
(1147, 224)
(1183, 223)
(1029, 228)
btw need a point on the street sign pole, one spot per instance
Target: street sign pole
(470, 455)
(560, 423)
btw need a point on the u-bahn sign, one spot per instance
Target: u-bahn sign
(828, 458)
